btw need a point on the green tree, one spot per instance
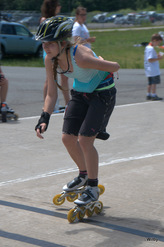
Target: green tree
(91, 5)
(161, 2)
(141, 4)
(31, 5)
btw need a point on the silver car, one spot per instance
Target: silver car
(15, 39)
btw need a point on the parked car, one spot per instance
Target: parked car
(141, 19)
(153, 16)
(122, 20)
(15, 39)
(113, 17)
(99, 18)
(132, 18)
(160, 16)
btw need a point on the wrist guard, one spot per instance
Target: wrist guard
(45, 117)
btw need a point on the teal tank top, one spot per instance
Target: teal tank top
(85, 80)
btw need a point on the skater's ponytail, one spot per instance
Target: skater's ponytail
(55, 63)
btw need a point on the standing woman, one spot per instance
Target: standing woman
(51, 8)
(91, 105)
(80, 31)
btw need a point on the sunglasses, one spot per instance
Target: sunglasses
(82, 14)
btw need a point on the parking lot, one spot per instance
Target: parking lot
(34, 170)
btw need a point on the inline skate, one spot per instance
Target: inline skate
(6, 113)
(87, 204)
(73, 189)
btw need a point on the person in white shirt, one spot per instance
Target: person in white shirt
(151, 65)
(80, 31)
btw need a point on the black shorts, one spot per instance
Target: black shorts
(154, 80)
(88, 113)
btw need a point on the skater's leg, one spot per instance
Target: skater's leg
(72, 145)
(91, 192)
(4, 89)
(90, 155)
(74, 150)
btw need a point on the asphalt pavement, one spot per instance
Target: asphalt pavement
(25, 93)
(33, 171)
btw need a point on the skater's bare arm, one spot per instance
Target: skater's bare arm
(85, 59)
(51, 96)
(50, 99)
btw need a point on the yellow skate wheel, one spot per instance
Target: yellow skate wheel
(89, 212)
(57, 199)
(81, 213)
(101, 188)
(98, 210)
(71, 215)
(72, 197)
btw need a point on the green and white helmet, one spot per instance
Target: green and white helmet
(57, 28)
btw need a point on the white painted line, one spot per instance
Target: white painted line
(58, 172)
(34, 117)
(118, 106)
(146, 156)
(134, 104)
(49, 174)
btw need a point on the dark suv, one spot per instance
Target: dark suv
(15, 39)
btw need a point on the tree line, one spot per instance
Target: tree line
(91, 5)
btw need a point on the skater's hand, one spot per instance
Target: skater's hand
(42, 124)
(41, 129)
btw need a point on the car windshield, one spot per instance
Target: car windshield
(21, 31)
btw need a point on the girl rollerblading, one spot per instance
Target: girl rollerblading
(92, 99)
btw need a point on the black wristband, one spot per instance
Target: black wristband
(45, 117)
